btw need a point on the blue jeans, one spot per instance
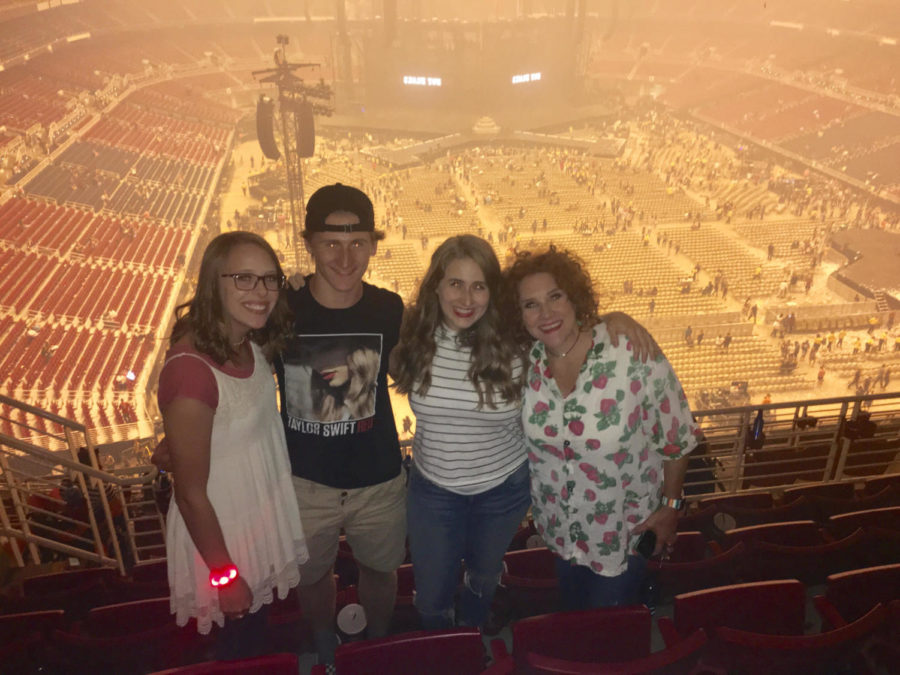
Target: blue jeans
(582, 588)
(444, 528)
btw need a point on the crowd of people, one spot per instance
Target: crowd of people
(524, 395)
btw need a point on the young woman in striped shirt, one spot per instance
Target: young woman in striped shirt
(469, 483)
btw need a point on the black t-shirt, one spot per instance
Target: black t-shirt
(334, 394)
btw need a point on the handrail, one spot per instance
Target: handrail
(74, 465)
(838, 448)
(80, 522)
(799, 403)
(62, 421)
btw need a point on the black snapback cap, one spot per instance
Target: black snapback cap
(339, 197)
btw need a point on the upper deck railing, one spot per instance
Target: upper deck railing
(54, 505)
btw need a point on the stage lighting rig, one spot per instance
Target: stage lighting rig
(297, 102)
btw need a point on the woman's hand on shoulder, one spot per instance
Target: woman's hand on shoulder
(296, 281)
(643, 344)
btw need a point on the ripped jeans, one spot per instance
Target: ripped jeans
(446, 528)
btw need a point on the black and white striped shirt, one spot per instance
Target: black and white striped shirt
(458, 446)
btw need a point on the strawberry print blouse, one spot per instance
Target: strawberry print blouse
(596, 456)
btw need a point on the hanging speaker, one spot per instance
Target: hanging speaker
(265, 114)
(306, 130)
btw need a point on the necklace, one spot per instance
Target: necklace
(239, 344)
(564, 354)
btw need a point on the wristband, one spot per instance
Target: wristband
(672, 502)
(223, 576)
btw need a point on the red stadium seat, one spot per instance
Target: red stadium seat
(776, 607)
(680, 659)
(602, 635)
(698, 521)
(791, 533)
(528, 585)
(882, 547)
(127, 636)
(673, 578)
(689, 547)
(809, 564)
(273, 664)
(126, 618)
(74, 592)
(156, 571)
(834, 651)
(875, 485)
(850, 595)
(825, 507)
(17, 626)
(829, 490)
(888, 518)
(458, 651)
(23, 655)
(524, 536)
(799, 509)
(754, 500)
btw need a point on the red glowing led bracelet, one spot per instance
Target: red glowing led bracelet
(223, 576)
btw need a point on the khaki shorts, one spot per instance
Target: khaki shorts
(373, 518)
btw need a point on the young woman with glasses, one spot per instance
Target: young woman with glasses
(233, 533)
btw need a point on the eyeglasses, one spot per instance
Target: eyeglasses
(247, 281)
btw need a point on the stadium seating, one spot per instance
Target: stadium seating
(824, 653)
(528, 585)
(616, 634)
(458, 651)
(272, 664)
(680, 658)
(849, 595)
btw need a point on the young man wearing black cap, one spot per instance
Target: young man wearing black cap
(342, 440)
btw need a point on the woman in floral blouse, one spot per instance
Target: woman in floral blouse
(607, 435)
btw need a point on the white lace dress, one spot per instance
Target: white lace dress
(251, 491)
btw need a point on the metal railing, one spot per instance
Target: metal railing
(55, 505)
(844, 439)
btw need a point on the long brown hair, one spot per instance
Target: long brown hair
(493, 353)
(203, 316)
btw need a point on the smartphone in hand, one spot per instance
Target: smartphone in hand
(646, 544)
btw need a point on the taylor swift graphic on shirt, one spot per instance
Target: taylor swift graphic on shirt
(331, 378)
